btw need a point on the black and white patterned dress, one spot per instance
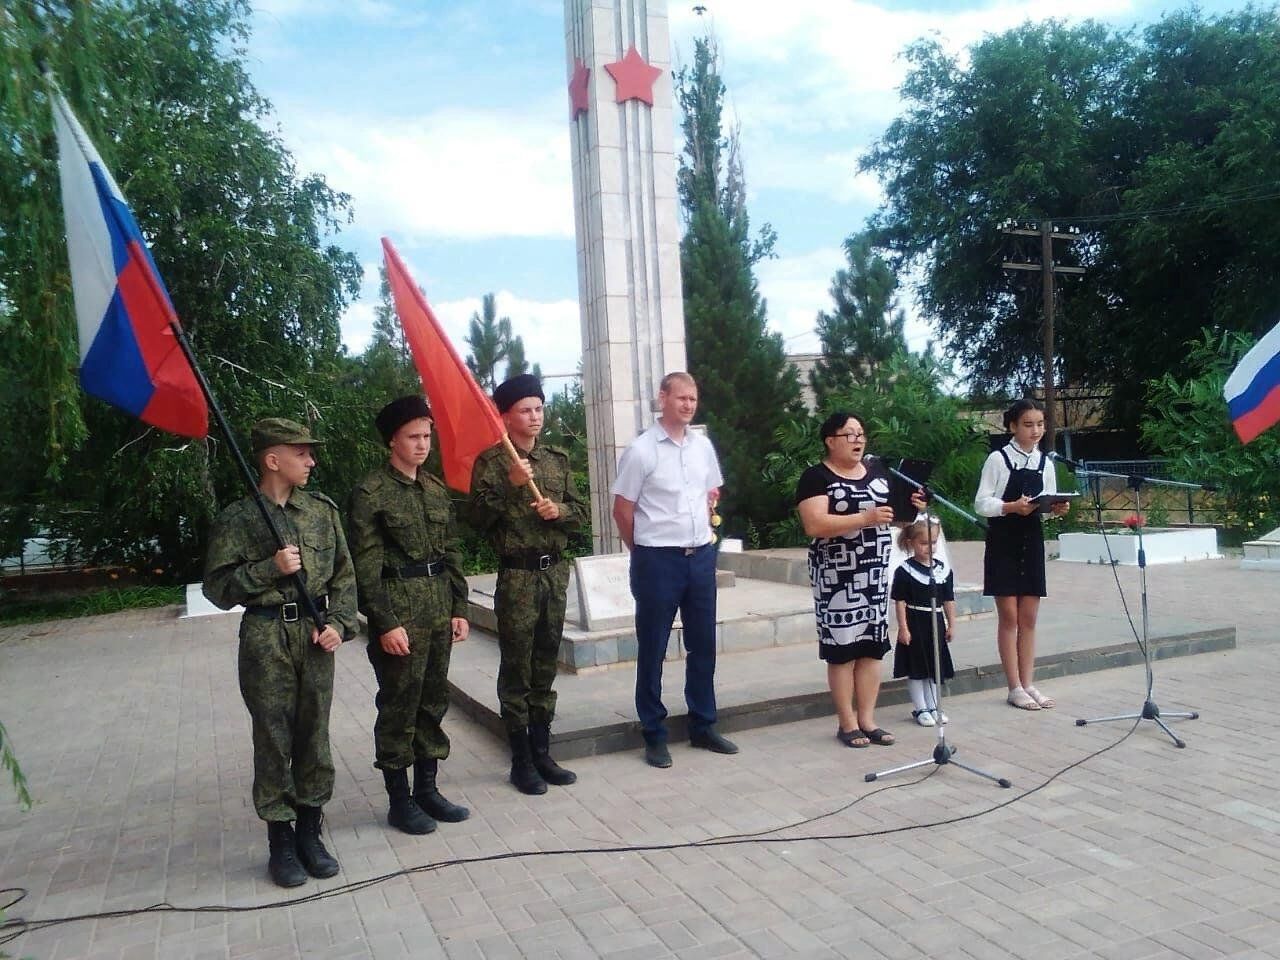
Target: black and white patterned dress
(849, 574)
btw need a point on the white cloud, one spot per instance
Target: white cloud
(450, 173)
(803, 70)
(551, 330)
(798, 287)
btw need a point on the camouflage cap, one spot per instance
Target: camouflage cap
(275, 430)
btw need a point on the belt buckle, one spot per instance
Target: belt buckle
(434, 567)
(544, 562)
(289, 612)
(690, 551)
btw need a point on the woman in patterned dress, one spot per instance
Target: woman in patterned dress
(843, 506)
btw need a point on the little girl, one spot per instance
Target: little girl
(1013, 565)
(912, 592)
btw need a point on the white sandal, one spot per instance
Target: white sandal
(1018, 697)
(1045, 703)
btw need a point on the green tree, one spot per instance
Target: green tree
(387, 362)
(516, 362)
(747, 389)
(1017, 130)
(489, 339)
(492, 346)
(866, 327)
(9, 762)
(240, 238)
(1188, 423)
(906, 411)
(1159, 146)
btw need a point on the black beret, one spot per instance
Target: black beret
(399, 412)
(512, 391)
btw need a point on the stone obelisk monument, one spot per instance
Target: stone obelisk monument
(625, 210)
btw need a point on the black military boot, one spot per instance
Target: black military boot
(283, 867)
(524, 774)
(426, 796)
(550, 771)
(404, 815)
(316, 860)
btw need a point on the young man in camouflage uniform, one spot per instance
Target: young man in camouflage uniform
(529, 537)
(405, 547)
(286, 662)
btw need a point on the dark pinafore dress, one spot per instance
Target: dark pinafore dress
(1013, 565)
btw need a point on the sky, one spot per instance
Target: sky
(447, 123)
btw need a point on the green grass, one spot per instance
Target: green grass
(91, 603)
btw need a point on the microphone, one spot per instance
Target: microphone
(1065, 461)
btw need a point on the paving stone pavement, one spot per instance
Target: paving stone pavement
(135, 742)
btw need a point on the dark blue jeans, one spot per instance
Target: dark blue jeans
(664, 580)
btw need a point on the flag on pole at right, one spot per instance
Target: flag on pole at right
(1253, 389)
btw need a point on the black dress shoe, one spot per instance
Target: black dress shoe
(657, 755)
(710, 740)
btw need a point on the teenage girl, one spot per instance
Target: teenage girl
(913, 596)
(1013, 566)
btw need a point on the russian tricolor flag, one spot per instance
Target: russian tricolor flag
(1253, 389)
(129, 355)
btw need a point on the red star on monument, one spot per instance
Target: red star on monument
(578, 102)
(634, 77)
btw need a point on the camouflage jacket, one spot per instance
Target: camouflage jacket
(503, 512)
(240, 565)
(394, 522)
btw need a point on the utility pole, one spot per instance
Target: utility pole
(1047, 268)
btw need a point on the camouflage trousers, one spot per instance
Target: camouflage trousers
(530, 608)
(413, 691)
(287, 684)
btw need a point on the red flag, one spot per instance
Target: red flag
(466, 420)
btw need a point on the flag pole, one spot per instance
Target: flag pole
(251, 482)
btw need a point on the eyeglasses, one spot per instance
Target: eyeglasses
(851, 437)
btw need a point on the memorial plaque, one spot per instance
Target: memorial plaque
(604, 592)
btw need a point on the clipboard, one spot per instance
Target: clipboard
(900, 491)
(1046, 500)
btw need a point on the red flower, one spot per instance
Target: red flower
(1135, 520)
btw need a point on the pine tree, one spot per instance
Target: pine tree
(388, 366)
(747, 390)
(866, 328)
(492, 343)
(489, 338)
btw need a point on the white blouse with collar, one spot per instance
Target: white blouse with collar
(995, 475)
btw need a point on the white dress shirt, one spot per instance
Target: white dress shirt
(669, 482)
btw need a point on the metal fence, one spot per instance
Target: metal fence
(1112, 498)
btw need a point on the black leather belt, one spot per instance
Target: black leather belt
(290, 612)
(529, 561)
(427, 568)
(682, 551)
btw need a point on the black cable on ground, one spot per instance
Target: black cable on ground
(14, 928)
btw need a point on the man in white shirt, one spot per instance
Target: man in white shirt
(668, 479)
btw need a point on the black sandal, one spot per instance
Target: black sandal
(849, 737)
(881, 738)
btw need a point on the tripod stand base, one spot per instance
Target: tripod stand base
(942, 755)
(1150, 711)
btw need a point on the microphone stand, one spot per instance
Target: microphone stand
(1150, 710)
(943, 753)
